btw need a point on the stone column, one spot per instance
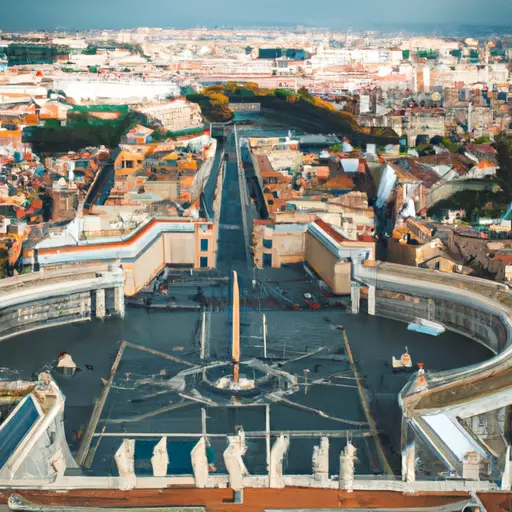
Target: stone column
(371, 300)
(160, 459)
(233, 460)
(347, 467)
(200, 463)
(409, 463)
(431, 310)
(506, 477)
(125, 460)
(119, 301)
(355, 297)
(85, 305)
(276, 461)
(321, 461)
(493, 426)
(100, 303)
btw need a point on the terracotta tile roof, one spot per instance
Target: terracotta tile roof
(425, 174)
(482, 148)
(275, 174)
(504, 258)
(460, 163)
(330, 231)
(140, 131)
(402, 175)
(322, 171)
(264, 164)
(49, 111)
(342, 182)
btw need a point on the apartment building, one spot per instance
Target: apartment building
(234, 67)
(416, 121)
(340, 57)
(175, 116)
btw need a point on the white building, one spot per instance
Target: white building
(233, 67)
(176, 115)
(129, 90)
(343, 56)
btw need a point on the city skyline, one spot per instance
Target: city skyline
(28, 15)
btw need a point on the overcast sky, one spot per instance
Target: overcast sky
(89, 14)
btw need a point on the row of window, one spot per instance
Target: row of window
(128, 164)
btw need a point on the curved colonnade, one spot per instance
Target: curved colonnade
(49, 298)
(437, 406)
(434, 409)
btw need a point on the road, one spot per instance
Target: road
(102, 184)
(232, 254)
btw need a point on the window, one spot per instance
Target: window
(267, 243)
(267, 260)
(203, 262)
(204, 244)
(127, 164)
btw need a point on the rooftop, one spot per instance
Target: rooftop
(403, 176)
(422, 172)
(330, 231)
(460, 163)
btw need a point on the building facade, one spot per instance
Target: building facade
(175, 116)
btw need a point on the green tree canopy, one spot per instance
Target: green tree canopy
(504, 173)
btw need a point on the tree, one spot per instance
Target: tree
(4, 263)
(218, 98)
(504, 173)
(283, 93)
(214, 88)
(232, 87)
(303, 93)
(448, 144)
(252, 86)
